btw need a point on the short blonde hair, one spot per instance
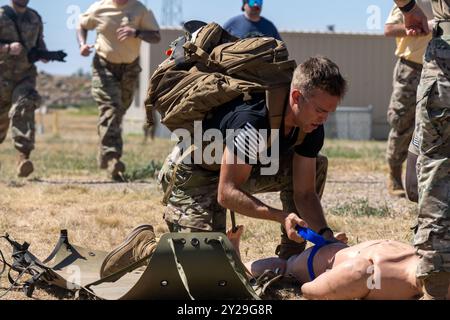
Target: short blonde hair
(319, 73)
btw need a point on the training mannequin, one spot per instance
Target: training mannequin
(379, 269)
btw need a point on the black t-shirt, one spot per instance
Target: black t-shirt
(250, 123)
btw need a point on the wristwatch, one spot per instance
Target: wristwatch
(408, 7)
(137, 33)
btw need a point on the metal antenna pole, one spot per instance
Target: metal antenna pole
(172, 13)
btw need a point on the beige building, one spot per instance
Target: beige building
(366, 60)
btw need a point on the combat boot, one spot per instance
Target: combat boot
(116, 169)
(24, 165)
(395, 186)
(139, 244)
(436, 286)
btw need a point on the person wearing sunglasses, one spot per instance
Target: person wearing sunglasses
(251, 24)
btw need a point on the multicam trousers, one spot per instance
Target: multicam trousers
(113, 87)
(18, 102)
(401, 111)
(432, 239)
(192, 203)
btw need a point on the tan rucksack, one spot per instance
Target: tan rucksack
(209, 68)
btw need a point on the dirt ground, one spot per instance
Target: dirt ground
(67, 191)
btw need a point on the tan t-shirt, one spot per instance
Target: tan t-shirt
(106, 17)
(411, 48)
(441, 8)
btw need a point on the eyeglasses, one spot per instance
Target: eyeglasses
(253, 3)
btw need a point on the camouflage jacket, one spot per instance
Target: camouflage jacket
(31, 27)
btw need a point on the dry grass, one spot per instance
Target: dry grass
(69, 192)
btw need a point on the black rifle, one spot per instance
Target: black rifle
(34, 54)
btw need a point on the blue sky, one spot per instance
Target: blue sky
(346, 15)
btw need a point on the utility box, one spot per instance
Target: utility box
(350, 123)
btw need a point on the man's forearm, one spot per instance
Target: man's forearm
(395, 30)
(82, 36)
(311, 210)
(149, 36)
(237, 200)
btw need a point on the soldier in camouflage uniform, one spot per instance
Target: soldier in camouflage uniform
(432, 238)
(121, 25)
(198, 194)
(194, 207)
(194, 193)
(401, 111)
(18, 96)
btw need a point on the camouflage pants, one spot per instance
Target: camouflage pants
(432, 239)
(18, 102)
(401, 111)
(113, 87)
(192, 203)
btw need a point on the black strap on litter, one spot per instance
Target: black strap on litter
(63, 239)
(5, 265)
(23, 263)
(265, 280)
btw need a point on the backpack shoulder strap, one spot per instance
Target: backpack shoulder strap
(9, 12)
(276, 101)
